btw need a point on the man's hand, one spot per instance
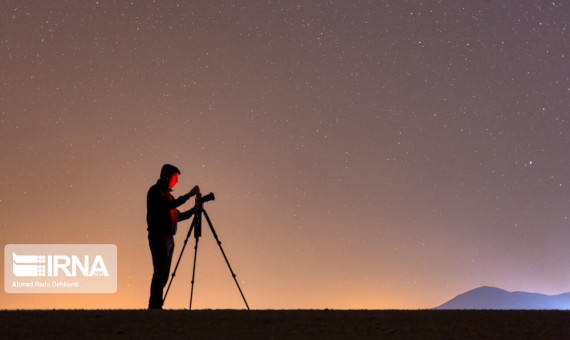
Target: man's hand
(195, 190)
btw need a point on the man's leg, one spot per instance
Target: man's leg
(162, 249)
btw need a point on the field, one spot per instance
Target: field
(285, 324)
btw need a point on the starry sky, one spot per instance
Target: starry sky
(364, 154)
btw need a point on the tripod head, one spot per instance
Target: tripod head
(198, 216)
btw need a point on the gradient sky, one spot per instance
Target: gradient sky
(364, 154)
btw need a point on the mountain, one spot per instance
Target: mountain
(495, 298)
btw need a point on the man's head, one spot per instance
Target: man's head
(169, 174)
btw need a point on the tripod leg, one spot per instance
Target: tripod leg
(193, 272)
(225, 257)
(179, 257)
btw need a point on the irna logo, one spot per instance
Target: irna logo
(57, 265)
(60, 268)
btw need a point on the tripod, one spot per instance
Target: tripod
(197, 227)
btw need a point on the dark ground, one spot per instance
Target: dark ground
(285, 324)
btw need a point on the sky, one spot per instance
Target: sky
(363, 154)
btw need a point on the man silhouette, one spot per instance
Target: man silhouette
(162, 219)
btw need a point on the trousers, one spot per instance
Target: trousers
(161, 248)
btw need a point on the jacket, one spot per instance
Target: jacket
(162, 217)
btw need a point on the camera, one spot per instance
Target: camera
(203, 199)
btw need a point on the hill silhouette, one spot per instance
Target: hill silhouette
(495, 298)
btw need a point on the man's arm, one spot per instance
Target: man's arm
(158, 201)
(182, 199)
(173, 204)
